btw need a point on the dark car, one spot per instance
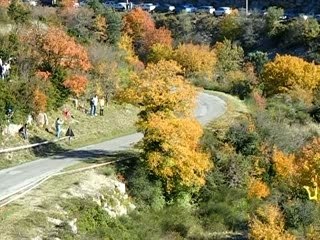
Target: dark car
(165, 8)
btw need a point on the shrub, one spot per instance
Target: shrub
(243, 139)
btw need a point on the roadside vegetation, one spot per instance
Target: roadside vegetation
(253, 173)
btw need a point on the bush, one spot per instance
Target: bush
(300, 213)
(243, 139)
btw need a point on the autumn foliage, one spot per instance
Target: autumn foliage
(288, 74)
(76, 83)
(55, 47)
(160, 88)
(196, 59)
(171, 135)
(4, 3)
(172, 150)
(139, 25)
(303, 167)
(39, 101)
(267, 224)
(257, 189)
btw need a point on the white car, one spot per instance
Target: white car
(221, 11)
(121, 6)
(149, 7)
(205, 9)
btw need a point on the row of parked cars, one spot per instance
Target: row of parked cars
(168, 8)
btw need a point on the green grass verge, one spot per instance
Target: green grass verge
(119, 120)
(236, 109)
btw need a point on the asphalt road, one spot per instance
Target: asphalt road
(16, 178)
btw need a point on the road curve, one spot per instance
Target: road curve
(19, 177)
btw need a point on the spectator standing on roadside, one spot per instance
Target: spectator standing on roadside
(101, 104)
(91, 106)
(95, 104)
(58, 124)
(23, 131)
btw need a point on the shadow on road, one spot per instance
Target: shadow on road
(45, 150)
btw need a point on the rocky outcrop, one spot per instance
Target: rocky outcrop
(107, 192)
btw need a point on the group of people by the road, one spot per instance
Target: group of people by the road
(94, 101)
(95, 105)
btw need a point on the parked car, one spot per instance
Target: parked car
(149, 7)
(120, 6)
(221, 11)
(165, 8)
(186, 8)
(206, 9)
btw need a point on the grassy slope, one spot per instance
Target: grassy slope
(118, 121)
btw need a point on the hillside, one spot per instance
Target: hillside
(253, 173)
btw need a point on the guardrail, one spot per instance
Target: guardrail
(13, 149)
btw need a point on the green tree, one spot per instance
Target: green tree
(229, 57)
(114, 25)
(259, 59)
(274, 26)
(18, 12)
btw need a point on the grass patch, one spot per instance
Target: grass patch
(118, 121)
(236, 109)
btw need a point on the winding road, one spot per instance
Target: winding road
(23, 176)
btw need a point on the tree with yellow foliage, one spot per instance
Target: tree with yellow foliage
(257, 189)
(160, 52)
(304, 167)
(171, 136)
(197, 60)
(309, 168)
(287, 74)
(171, 148)
(284, 164)
(268, 224)
(160, 87)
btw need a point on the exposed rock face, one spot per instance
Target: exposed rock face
(11, 129)
(42, 119)
(73, 226)
(107, 192)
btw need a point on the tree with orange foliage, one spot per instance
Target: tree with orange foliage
(267, 224)
(55, 47)
(197, 60)
(67, 4)
(39, 101)
(158, 36)
(137, 23)
(171, 136)
(76, 83)
(58, 56)
(4, 3)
